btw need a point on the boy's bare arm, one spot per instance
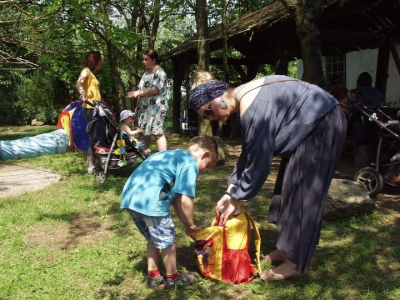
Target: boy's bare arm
(184, 207)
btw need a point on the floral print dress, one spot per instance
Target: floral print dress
(153, 110)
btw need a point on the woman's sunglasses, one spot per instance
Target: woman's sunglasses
(208, 112)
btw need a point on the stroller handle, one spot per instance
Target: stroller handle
(95, 102)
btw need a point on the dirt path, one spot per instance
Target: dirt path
(16, 180)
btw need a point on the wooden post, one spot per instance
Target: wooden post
(382, 69)
(395, 54)
(179, 73)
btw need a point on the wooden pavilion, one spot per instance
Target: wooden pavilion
(268, 36)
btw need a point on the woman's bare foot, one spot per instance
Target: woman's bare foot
(276, 257)
(281, 272)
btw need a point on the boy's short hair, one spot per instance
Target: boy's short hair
(206, 142)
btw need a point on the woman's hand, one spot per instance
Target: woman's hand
(82, 97)
(133, 94)
(225, 207)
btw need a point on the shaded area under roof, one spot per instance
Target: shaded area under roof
(269, 33)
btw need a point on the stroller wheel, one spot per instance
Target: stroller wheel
(371, 178)
(99, 176)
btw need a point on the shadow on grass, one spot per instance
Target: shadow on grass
(357, 258)
(366, 261)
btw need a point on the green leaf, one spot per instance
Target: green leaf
(258, 289)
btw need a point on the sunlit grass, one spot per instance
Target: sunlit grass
(71, 241)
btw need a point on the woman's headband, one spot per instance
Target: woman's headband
(205, 93)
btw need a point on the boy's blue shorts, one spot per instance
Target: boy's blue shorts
(158, 230)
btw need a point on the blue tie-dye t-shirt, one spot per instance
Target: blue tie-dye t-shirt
(158, 180)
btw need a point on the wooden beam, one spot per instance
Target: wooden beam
(395, 54)
(282, 66)
(350, 36)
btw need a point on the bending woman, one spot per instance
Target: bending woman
(280, 116)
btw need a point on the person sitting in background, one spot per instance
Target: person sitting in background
(367, 99)
(338, 91)
(341, 94)
(365, 93)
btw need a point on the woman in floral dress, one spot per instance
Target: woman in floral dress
(153, 104)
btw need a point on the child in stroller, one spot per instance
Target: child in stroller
(126, 119)
(114, 150)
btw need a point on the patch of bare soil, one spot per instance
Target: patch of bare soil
(16, 180)
(81, 230)
(11, 132)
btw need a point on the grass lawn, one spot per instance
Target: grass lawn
(71, 241)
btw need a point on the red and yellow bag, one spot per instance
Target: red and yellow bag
(222, 252)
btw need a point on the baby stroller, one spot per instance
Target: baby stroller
(386, 168)
(114, 151)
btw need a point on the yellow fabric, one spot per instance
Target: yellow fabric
(237, 230)
(214, 268)
(121, 143)
(65, 121)
(257, 242)
(92, 88)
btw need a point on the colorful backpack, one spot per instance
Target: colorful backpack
(222, 251)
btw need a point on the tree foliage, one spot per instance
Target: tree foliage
(56, 34)
(44, 41)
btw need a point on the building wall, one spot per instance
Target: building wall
(393, 85)
(366, 61)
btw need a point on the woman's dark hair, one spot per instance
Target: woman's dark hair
(153, 55)
(91, 60)
(364, 79)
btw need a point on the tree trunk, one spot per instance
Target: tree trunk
(306, 14)
(203, 52)
(112, 59)
(203, 49)
(156, 23)
(119, 87)
(225, 41)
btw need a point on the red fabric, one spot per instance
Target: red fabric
(153, 273)
(101, 150)
(237, 266)
(174, 276)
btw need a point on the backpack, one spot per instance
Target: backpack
(222, 251)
